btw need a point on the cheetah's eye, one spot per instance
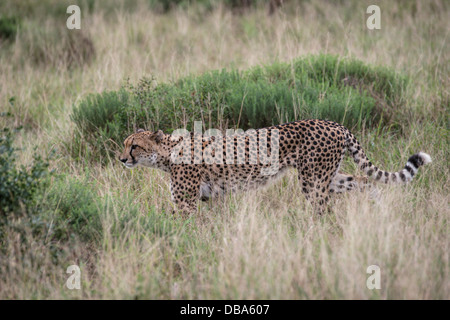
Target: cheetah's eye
(134, 146)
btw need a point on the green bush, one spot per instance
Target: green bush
(323, 86)
(96, 117)
(18, 185)
(8, 27)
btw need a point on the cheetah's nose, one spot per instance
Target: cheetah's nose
(123, 160)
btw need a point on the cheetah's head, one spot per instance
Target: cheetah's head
(143, 148)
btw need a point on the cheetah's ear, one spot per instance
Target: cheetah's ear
(140, 130)
(158, 136)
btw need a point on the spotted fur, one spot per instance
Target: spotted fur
(314, 147)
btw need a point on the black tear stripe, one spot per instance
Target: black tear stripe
(131, 149)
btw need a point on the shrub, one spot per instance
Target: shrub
(8, 27)
(18, 185)
(96, 119)
(324, 86)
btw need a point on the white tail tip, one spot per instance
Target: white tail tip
(425, 157)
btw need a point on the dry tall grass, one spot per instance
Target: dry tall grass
(264, 244)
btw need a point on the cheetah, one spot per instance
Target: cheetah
(198, 170)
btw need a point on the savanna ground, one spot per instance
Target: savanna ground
(86, 209)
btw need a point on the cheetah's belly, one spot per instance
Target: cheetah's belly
(218, 186)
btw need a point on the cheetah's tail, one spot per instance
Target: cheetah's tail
(403, 176)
